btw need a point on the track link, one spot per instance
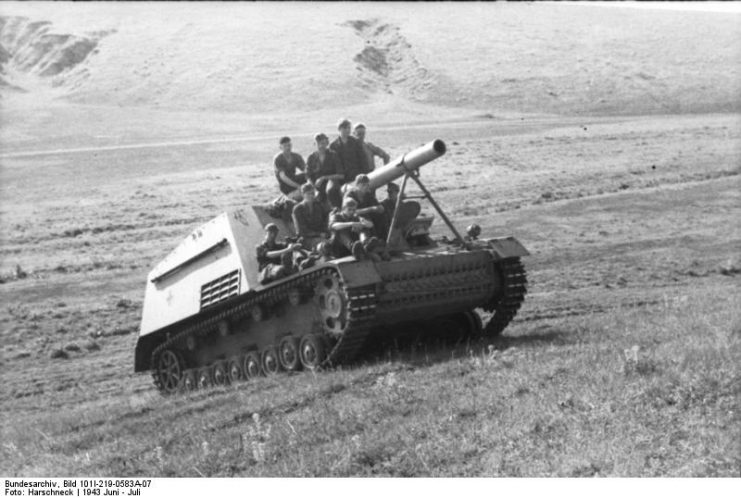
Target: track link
(514, 282)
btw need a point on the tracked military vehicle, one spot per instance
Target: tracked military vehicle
(207, 320)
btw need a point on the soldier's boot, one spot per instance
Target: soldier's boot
(358, 251)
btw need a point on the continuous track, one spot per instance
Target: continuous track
(358, 305)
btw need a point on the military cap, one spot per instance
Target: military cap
(392, 187)
(284, 140)
(359, 125)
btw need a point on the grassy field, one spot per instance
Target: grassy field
(623, 361)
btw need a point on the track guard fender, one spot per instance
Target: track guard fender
(359, 274)
(507, 247)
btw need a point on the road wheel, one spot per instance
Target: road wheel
(311, 352)
(169, 370)
(204, 378)
(270, 361)
(188, 382)
(251, 365)
(219, 374)
(234, 370)
(289, 354)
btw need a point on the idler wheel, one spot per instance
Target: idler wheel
(234, 370)
(311, 351)
(332, 303)
(270, 361)
(169, 370)
(251, 365)
(204, 378)
(289, 354)
(219, 374)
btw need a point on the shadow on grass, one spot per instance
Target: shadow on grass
(420, 347)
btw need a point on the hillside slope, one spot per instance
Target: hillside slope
(303, 57)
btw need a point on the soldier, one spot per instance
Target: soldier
(350, 151)
(368, 205)
(274, 259)
(389, 204)
(286, 163)
(349, 231)
(310, 218)
(371, 151)
(325, 171)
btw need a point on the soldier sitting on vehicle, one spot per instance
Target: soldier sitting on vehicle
(274, 259)
(310, 218)
(285, 164)
(324, 170)
(368, 205)
(353, 234)
(349, 232)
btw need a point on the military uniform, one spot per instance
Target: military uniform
(281, 164)
(272, 268)
(331, 165)
(371, 151)
(366, 200)
(310, 222)
(352, 157)
(342, 240)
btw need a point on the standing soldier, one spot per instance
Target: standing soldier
(274, 259)
(324, 170)
(351, 153)
(286, 163)
(371, 151)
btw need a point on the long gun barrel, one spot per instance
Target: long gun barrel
(407, 163)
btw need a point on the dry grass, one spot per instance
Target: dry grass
(645, 391)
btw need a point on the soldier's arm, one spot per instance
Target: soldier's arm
(362, 159)
(297, 222)
(377, 151)
(284, 178)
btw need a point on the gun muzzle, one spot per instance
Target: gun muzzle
(407, 163)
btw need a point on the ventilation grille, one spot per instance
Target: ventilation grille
(220, 289)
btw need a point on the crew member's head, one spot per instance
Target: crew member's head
(271, 231)
(362, 183)
(359, 131)
(308, 192)
(322, 142)
(344, 126)
(285, 144)
(349, 205)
